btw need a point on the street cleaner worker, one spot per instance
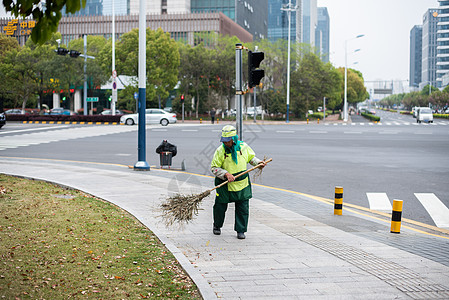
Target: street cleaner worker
(230, 159)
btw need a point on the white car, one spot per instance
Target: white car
(152, 116)
(424, 115)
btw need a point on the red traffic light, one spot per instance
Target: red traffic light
(182, 98)
(72, 90)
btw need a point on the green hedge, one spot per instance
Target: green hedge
(371, 117)
(318, 115)
(443, 116)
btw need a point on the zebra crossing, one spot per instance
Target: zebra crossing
(59, 134)
(434, 206)
(389, 123)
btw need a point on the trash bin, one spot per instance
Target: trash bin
(165, 158)
(166, 151)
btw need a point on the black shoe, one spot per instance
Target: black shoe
(241, 235)
(216, 230)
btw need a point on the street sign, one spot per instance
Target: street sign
(114, 74)
(114, 85)
(136, 95)
(92, 99)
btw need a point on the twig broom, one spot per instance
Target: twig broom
(182, 208)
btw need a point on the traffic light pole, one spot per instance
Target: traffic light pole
(238, 89)
(85, 77)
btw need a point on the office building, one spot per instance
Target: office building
(180, 26)
(429, 48)
(415, 55)
(322, 34)
(278, 21)
(309, 21)
(252, 15)
(92, 8)
(443, 44)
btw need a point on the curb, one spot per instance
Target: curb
(71, 123)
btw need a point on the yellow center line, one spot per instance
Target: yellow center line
(317, 198)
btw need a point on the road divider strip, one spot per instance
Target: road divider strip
(71, 123)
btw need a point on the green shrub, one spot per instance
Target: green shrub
(371, 117)
(443, 116)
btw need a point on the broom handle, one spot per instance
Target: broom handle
(241, 174)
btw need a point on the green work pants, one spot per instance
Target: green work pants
(241, 215)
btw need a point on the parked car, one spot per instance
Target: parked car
(2, 119)
(152, 116)
(250, 111)
(424, 115)
(108, 112)
(59, 111)
(14, 111)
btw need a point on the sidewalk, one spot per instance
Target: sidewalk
(286, 254)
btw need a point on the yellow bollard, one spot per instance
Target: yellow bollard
(307, 121)
(396, 216)
(218, 120)
(338, 201)
(201, 121)
(318, 120)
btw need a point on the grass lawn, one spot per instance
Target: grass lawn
(57, 243)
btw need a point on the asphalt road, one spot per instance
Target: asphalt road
(397, 157)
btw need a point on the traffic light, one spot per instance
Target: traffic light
(110, 98)
(255, 74)
(74, 53)
(182, 98)
(62, 51)
(64, 98)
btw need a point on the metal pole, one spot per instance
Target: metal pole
(255, 114)
(183, 112)
(345, 116)
(288, 63)
(85, 76)
(324, 109)
(238, 88)
(141, 151)
(114, 78)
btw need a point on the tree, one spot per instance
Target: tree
(7, 44)
(47, 16)
(356, 91)
(194, 71)
(20, 80)
(313, 81)
(162, 62)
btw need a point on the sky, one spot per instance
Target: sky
(385, 49)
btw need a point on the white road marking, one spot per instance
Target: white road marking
(352, 132)
(436, 209)
(318, 131)
(191, 130)
(388, 132)
(72, 133)
(379, 201)
(34, 129)
(154, 129)
(285, 131)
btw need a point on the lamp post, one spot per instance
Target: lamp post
(288, 8)
(345, 107)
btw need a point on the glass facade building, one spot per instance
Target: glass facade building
(429, 48)
(92, 8)
(322, 34)
(415, 55)
(278, 21)
(252, 15)
(443, 43)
